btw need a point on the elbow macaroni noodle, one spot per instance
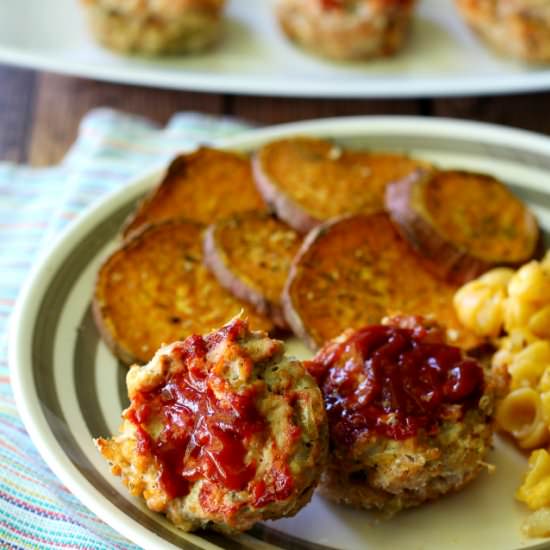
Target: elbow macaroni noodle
(480, 303)
(521, 414)
(535, 491)
(513, 309)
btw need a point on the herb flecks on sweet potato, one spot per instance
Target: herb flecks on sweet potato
(355, 270)
(155, 289)
(250, 255)
(204, 186)
(308, 181)
(462, 223)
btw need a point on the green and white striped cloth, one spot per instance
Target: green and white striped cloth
(36, 510)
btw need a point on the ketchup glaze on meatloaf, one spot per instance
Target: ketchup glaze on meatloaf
(222, 430)
(409, 416)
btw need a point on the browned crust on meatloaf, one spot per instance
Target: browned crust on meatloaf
(388, 475)
(293, 441)
(355, 270)
(347, 30)
(162, 9)
(462, 223)
(155, 27)
(155, 289)
(204, 186)
(308, 180)
(515, 28)
(250, 255)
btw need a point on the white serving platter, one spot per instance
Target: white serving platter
(443, 57)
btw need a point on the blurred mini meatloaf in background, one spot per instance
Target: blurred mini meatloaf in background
(517, 28)
(155, 27)
(347, 29)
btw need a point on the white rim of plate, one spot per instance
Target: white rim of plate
(379, 87)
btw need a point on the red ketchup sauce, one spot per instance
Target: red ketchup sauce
(329, 5)
(393, 382)
(201, 436)
(332, 4)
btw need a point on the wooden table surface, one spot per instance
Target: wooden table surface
(40, 112)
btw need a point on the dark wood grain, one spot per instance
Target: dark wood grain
(62, 101)
(528, 111)
(40, 113)
(262, 110)
(17, 88)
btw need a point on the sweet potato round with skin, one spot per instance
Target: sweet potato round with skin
(308, 181)
(250, 255)
(204, 186)
(462, 223)
(352, 272)
(155, 289)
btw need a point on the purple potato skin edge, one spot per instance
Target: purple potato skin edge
(444, 258)
(213, 259)
(118, 351)
(292, 317)
(285, 208)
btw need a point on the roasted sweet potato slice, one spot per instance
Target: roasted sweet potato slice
(250, 254)
(203, 186)
(463, 223)
(156, 289)
(307, 181)
(355, 270)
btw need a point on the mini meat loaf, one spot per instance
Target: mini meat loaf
(222, 431)
(347, 29)
(518, 28)
(154, 27)
(409, 416)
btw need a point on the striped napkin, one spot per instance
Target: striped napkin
(36, 510)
